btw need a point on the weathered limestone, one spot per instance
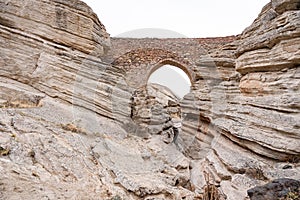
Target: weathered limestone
(256, 113)
(59, 58)
(78, 121)
(53, 94)
(69, 24)
(152, 109)
(270, 82)
(270, 46)
(145, 170)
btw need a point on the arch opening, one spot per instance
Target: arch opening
(172, 77)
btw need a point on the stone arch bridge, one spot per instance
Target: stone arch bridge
(139, 58)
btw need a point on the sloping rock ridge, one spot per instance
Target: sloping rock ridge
(79, 121)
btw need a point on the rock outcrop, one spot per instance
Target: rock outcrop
(247, 123)
(152, 109)
(54, 100)
(74, 125)
(277, 189)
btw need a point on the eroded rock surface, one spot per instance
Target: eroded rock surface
(277, 189)
(73, 124)
(250, 120)
(152, 109)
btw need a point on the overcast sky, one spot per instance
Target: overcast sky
(172, 77)
(191, 18)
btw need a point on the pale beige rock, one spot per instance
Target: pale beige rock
(283, 55)
(257, 110)
(69, 121)
(152, 109)
(71, 24)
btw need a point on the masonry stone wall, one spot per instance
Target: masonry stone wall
(141, 57)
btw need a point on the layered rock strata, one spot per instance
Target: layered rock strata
(152, 109)
(247, 123)
(70, 115)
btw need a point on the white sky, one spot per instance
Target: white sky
(192, 18)
(172, 77)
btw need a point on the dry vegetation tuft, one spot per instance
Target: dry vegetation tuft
(211, 192)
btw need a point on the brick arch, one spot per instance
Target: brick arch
(139, 64)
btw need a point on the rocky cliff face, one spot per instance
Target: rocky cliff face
(248, 123)
(71, 126)
(54, 99)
